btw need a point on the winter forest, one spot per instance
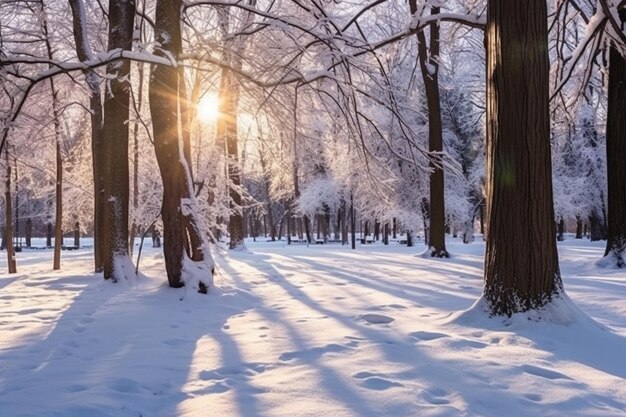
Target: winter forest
(312, 207)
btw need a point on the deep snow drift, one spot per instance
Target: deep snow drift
(306, 331)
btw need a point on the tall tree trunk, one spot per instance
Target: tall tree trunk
(429, 65)
(8, 231)
(181, 229)
(138, 105)
(228, 132)
(84, 53)
(58, 217)
(521, 261)
(115, 167)
(615, 156)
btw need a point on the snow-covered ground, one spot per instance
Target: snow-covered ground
(305, 331)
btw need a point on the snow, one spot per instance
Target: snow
(299, 330)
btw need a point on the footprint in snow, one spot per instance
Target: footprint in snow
(375, 382)
(374, 318)
(543, 372)
(313, 353)
(427, 336)
(435, 396)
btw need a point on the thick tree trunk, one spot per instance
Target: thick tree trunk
(429, 64)
(615, 157)
(521, 261)
(180, 226)
(579, 228)
(597, 227)
(115, 167)
(8, 231)
(95, 106)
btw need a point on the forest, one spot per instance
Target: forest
(431, 176)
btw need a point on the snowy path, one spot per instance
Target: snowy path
(305, 331)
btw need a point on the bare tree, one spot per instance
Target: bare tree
(181, 227)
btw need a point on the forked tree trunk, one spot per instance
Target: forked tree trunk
(116, 137)
(521, 261)
(84, 53)
(180, 226)
(429, 65)
(615, 157)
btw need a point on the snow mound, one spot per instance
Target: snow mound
(560, 311)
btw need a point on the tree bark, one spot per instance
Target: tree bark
(429, 65)
(521, 262)
(115, 167)
(181, 230)
(8, 231)
(83, 51)
(615, 157)
(58, 217)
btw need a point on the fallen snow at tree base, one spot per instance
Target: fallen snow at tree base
(307, 331)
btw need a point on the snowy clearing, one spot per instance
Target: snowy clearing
(305, 331)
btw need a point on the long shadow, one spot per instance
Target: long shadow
(606, 351)
(333, 382)
(440, 296)
(115, 351)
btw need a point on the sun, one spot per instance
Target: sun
(209, 108)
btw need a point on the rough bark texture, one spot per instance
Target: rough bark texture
(115, 169)
(95, 106)
(180, 228)
(429, 65)
(521, 262)
(615, 157)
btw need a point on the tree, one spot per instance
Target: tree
(429, 64)
(58, 206)
(115, 169)
(183, 237)
(8, 231)
(615, 154)
(521, 261)
(83, 51)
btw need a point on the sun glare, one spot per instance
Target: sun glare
(209, 108)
